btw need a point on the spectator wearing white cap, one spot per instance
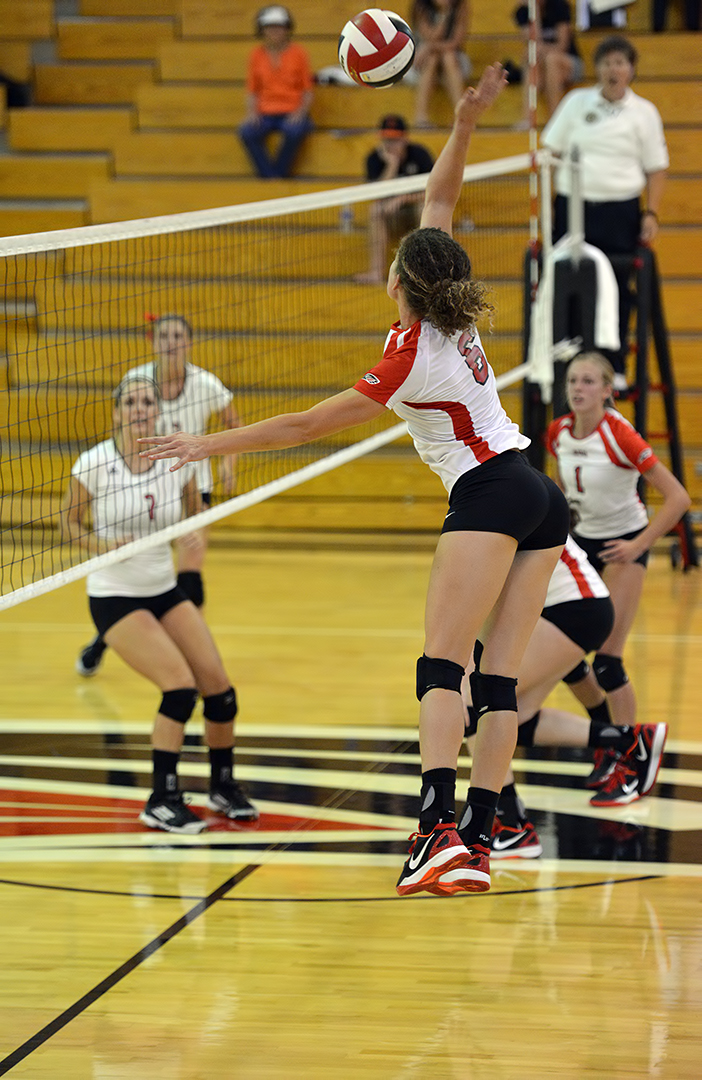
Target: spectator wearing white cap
(279, 94)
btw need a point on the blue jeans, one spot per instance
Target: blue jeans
(254, 135)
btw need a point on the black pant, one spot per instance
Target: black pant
(613, 227)
(659, 10)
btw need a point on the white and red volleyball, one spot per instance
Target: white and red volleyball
(376, 48)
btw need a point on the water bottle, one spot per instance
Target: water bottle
(346, 219)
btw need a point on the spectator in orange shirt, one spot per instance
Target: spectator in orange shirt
(279, 94)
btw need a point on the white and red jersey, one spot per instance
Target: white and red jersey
(127, 505)
(202, 396)
(600, 474)
(445, 389)
(574, 578)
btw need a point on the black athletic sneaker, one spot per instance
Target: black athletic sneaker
(170, 813)
(605, 761)
(230, 800)
(514, 841)
(90, 658)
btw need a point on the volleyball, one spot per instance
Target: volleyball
(376, 48)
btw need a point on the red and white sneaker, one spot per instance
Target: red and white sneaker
(472, 875)
(514, 842)
(429, 857)
(646, 753)
(621, 788)
(603, 767)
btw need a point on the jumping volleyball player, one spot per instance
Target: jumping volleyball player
(503, 533)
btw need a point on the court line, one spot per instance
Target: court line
(130, 965)
(245, 730)
(131, 895)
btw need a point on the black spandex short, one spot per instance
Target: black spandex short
(108, 610)
(587, 622)
(508, 495)
(206, 497)
(592, 547)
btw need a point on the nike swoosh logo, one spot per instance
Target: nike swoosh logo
(500, 845)
(641, 754)
(628, 788)
(416, 857)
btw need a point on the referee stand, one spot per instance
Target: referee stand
(574, 314)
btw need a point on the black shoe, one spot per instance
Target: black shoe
(605, 763)
(229, 799)
(90, 658)
(170, 813)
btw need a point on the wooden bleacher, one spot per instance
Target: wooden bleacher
(136, 117)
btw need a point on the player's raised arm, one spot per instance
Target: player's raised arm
(337, 413)
(446, 178)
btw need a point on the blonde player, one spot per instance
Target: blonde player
(600, 459)
(577, 617)
(143, 614)
(505, 527)
(191, 400)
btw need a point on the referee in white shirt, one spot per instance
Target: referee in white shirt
(623, 157)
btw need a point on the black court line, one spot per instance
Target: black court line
(121, 972)
(493, 893)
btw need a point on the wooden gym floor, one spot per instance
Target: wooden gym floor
(281, 951)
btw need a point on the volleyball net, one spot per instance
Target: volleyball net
(277, 314)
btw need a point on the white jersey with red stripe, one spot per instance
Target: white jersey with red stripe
(574, 578)
(203, 395)
(126, 506)
(600, 474)
(445, 389)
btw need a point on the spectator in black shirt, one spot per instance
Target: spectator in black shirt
(390, 218)
(558, 62)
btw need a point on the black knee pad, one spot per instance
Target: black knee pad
(435, 674)
(178, 705)
(190, 582)
(609, 672)
(493, 693)
(579, 672)
(525, 731)
(472, 722)
(220, 708)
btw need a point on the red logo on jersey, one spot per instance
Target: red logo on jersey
(474, 357)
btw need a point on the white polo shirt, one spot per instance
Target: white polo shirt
(620, 143)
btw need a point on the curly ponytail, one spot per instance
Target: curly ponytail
(434, 272)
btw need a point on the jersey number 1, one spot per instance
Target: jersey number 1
(579, 479)
(474, 358)
(152, 504)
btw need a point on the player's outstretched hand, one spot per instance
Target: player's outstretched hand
(476, 100)
(181, 445)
